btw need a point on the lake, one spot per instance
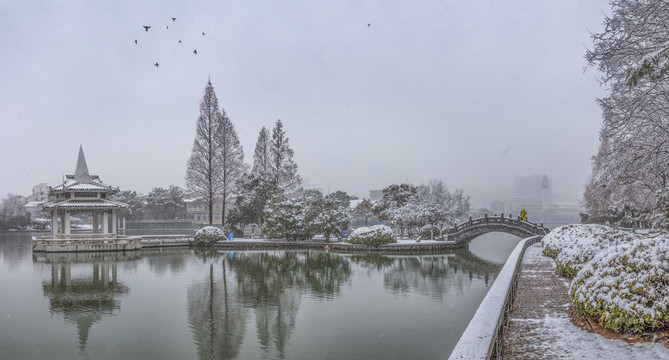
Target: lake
(208, 304)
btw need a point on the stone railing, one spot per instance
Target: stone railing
(484, 335)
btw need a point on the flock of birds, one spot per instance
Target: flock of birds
(148, 27)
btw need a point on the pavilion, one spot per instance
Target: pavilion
(83, 192)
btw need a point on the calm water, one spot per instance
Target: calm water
(186, 304)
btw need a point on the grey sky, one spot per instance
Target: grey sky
(471, 92)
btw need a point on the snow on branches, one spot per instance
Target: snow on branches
(632, 54)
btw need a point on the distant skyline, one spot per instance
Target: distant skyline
(472, 93)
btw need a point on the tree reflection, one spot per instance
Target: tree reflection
(271, 285)
(164, 260)
(217, 317)
(83, 298)
(428, 274)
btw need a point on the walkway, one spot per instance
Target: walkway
(540, 327)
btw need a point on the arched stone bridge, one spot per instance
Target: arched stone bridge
(467, 231)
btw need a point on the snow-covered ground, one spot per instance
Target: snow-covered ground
(552, 334)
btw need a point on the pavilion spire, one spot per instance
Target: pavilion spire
(81, 172)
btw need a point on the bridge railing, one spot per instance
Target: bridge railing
(488, 220)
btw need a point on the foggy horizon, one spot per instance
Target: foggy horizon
(369, 94)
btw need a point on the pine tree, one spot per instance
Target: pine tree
(282, 166)
(203, 172)
(261, 157)
(231, 160)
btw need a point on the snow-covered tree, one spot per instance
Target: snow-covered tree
(166, 203)
(364, 210)
(231, 158)
(430, 204)
(394, 197)
(632, 54)
(342, 198)
(262, 156)
(256, 190)
(203, 172)
(136, 205)
(303, 217)
(282, 166)
(13, 214)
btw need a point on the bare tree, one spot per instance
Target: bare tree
(203, 172)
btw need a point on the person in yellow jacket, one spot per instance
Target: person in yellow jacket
(523, 215)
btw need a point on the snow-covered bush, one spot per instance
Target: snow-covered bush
(626, 287)
(208, 235)
(573, 245)
(372, 236)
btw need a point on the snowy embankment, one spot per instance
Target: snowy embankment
(480, 337)
(621, 279)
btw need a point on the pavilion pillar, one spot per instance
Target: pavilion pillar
(67, 222)
(114, 221)
(96, 224)
(62, 222)
(105, 222)
(54, 223)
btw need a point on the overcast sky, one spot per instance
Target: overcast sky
(370, 93)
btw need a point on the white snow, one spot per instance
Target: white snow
(558, 337)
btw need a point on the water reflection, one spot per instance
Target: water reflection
(427, 275)
(254, 304)
(165, 261)
(216, 315)
(84, 287)
(270, 285)
(14, 248)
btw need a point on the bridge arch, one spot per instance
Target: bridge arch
(467, 231)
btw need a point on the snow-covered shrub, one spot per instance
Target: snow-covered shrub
(573, 245)
(372, 236)
(208, 235)
(626, 287)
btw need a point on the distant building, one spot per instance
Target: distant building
(197, 211)
(534, 194)
(40, 193)
(34, 202)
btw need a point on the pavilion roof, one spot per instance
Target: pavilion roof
(82, 180)
(74, 185)
(84, 204)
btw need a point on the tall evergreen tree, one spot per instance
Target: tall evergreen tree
(231, 160)
(261, 157)
(283, 168)
(203, 172)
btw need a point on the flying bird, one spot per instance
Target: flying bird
(368, 24)
(203, 33)
(135, 41)
(156, 64)
(179, 41)
(195, 51)
(174, 19)
(167, 27)
(146, 28)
